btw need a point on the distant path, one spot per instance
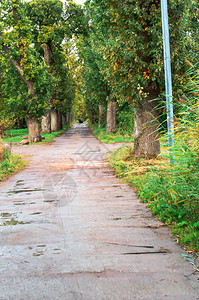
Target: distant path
(79, 233)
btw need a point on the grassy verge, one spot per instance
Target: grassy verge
(171, 192)
(10, 164)
(111, 138)
(15, 135)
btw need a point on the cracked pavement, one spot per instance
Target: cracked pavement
(71, 230)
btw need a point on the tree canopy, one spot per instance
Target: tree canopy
(124, 50)
(118, 65)
(34, 38)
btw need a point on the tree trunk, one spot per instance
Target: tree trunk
(34, 132)
(101, 108)
(146, 137)
(68, 118)
(46, 120)
(111, 116)
(63, 119)
(47, 54)
(54, 120)
(46, 123)
(60, 125)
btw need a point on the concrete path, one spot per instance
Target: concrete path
(71, 230)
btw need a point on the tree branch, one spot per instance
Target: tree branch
(14, 11)
(17, 66)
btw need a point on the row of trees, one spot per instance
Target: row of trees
(36, 63)
(119, 68)
(122, 57)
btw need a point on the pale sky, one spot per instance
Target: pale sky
(79, 1)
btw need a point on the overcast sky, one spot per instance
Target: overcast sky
(79, 1)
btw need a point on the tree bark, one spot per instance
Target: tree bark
(146, 136)
(34, 132)
(59, 120)
(47, 54)
(46, 120)
(68, 118)
(101, 108)
(63, 119)
(111, 116)
(54, 121)
(46, 123)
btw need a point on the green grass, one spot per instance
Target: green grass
(49, 137)
(10, 164)
(15, 135)
(171, 192)
(111, 138)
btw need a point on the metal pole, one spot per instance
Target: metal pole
(168, 81)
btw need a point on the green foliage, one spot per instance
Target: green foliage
(122, 57)
(95, 88)
(125, 118)
(126, 38)
(53, 32)
(22, 62)
(29, 84)
(79, 109)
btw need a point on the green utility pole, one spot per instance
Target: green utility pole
(168, 81)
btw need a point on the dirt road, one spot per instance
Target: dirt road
(71, 230)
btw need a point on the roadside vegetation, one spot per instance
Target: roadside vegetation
(10, 164)
(171, 191)
(110, 137)
(15, 135)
